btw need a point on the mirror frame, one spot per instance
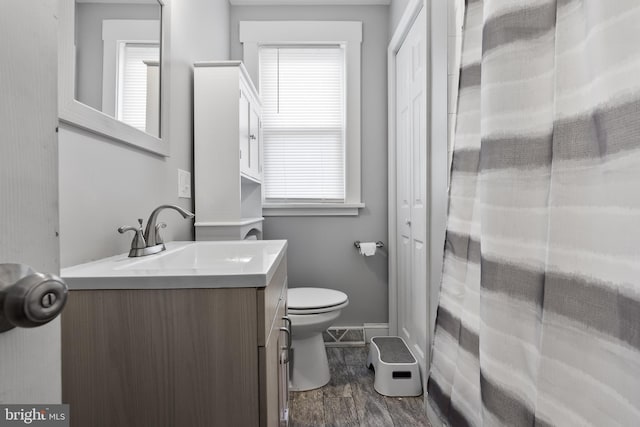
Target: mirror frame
(79, 115)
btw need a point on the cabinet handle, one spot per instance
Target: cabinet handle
(288, 332)
(288, 320)
(252, 136)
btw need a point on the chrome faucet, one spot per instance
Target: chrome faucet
(150, 242)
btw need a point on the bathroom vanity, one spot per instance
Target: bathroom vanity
(193, 336)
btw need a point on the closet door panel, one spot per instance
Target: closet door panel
(412, 199)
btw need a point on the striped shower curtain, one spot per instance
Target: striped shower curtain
(539, 315)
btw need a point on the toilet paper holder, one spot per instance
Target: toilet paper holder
(379, 244)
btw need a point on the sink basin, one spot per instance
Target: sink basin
(243, 263)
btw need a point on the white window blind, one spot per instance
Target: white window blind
(132, 83)
(303, 123)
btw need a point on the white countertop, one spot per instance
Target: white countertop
(232, 264)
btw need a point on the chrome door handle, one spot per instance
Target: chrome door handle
(28, 298)
(288, 332)
(288, 320)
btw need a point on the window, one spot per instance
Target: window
(132, 97)
(308, 73)
(302, 90)
(131, 72)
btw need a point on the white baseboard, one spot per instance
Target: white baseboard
(375, 330)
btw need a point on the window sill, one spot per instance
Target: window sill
(311, 209)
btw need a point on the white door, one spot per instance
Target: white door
(29, 358)
(254, 141)
(411, 191)
(245, 131)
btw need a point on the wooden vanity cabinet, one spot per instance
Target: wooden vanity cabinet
(176, 357)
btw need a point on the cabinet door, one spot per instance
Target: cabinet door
(284, 344)
(274, 380)
(255, 167)
(244, 132)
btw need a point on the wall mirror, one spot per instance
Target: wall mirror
(112, 69)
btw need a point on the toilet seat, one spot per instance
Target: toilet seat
(302, 301)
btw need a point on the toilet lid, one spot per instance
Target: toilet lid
(302, 299)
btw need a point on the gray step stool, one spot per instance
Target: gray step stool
(397, 371)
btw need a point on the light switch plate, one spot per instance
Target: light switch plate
(184, 184)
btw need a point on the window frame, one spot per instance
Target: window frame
(254, 34)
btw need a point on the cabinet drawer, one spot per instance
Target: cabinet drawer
(268, 300)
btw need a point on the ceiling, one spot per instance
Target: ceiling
(308, 2)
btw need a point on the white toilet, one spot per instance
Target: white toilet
(312, 311)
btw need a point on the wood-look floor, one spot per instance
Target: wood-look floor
(350, 399)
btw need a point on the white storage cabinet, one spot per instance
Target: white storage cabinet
(227, 152)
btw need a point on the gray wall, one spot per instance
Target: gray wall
(396, 9)
(89, 51)
(105, 184)
(321, 251)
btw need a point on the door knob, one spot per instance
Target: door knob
(28, 298)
